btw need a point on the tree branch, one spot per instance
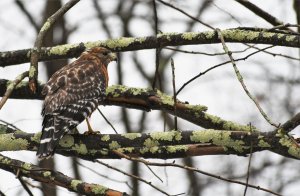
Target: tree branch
(20, 168)
(163, 145)
(152, 42)
(34, 55)
(144, 99)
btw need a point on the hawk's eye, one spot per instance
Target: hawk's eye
(105, 53)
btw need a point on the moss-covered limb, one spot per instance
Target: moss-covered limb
(21, 91)
(145, 99)
(32, 171)
(165, 145)
(152, 42)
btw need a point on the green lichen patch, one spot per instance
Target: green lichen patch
(286, 141)
(67, 141)
(290, 38)
(120, 42)
(46, 26)
(228, 125)
(114, 145)
(209, 34)
(166, 136)
(36, 137)
(131, 136)
(89, 45)
(116, 90)
(150, 143)
(10, 143)
(105, 138)
(189, 35)
(240, 35)
(4, 160)
(62, 49)
(99, 190)
(27, 167)
(32, 71)
(197, 108)
(263, 144)
(46, 173)
(165, 99)
(219, 138)
(74, 184)
(178, 148)
(81, 149)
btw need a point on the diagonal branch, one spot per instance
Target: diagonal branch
(11, 86)
(34, 55)
(145, 99)
(261, 13)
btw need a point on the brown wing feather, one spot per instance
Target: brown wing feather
(79, 80)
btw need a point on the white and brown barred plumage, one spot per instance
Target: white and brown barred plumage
(72, 94)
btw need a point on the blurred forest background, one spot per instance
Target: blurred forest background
(272, 76)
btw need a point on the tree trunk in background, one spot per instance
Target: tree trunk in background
(60, 37)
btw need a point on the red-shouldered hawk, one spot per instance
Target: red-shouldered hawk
(72, 94)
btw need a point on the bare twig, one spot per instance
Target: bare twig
(205, 53)
(132, 176)
(249, 164)
(192, 169)
(174, 93)
(218, 65)
(241, 80)
(107, 121)
(27, 14)
(26, 188)
(157, 50)
(34, 57)
(185, 13)
(261, 13)
(11, 87)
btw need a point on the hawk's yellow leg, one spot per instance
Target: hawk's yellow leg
(90, 131)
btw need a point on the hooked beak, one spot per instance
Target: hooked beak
(113, 56)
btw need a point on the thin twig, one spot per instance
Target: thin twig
(218, 65)
(185, 13)
(27, 14)
(11, 87)
(241, 80)
(249, 165)
(132, 176)
(174, 93)
(192, 169)
(261, 13)
(157, 51)
(25, 186)
(107, 121)
(99, 174)
(205, 53)
(34, 57)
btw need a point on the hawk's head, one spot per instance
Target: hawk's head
(105, 55)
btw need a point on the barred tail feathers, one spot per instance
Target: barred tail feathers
(51, 133)
(66, 118)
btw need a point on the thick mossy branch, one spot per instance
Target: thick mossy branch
(144, 99)
(20, 168)
(153, 42)
(164, 145)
